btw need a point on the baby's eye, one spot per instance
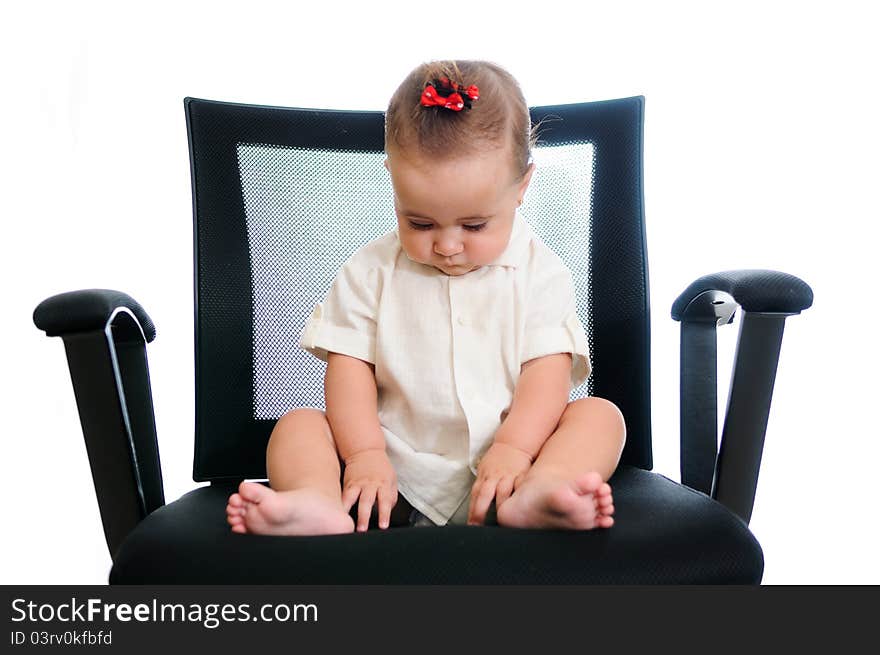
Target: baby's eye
(428, 226)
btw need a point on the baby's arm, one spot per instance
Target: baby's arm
(539, 400)
(351, 399)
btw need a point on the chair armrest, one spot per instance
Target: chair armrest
(105, 334)
(88, 309)
(766, 298)
(754, 290)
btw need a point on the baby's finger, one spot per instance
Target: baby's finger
(475, 493)
(482, 501)
(386, 502)
(365, 507)
(505, 490)
(349, 496)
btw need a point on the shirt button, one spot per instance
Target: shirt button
(462, 320)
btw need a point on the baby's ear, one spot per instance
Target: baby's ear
(527, 178)
(385, 164)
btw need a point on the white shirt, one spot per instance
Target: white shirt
(448, 351)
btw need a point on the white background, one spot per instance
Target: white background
(761, 151)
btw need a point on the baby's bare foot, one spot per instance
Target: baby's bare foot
(260, 510)
(544, 501)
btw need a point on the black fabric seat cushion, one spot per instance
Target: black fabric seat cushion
(664, 533)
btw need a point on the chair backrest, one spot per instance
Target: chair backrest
(282, 196)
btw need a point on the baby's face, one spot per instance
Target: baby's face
(455, 215)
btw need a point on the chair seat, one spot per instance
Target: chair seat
(664, 533)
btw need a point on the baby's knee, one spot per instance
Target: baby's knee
(302, 414)
(302, 421)
(599, 410)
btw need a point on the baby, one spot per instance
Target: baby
(452, 344)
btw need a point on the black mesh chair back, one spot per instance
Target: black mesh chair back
(282, 197)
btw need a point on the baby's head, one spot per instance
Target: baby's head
(458, 176)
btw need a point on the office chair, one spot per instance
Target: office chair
(281, 197)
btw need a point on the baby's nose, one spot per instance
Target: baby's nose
(448, 247)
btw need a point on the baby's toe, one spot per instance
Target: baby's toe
(604, 521)
(253, 492)
(235, 500)
(588, 483)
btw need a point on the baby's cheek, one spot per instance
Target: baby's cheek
(489, 252)
(415, 248)
(425, 247)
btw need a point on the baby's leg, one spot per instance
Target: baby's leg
(304, 473)
(565, 487)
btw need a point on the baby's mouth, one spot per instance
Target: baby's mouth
(457, 269)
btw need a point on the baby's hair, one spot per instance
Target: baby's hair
(500, 115)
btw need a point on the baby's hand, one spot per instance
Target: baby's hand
(498, 475)
(370, 476)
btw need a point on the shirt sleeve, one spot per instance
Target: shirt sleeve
(345, 322)
(552, 324)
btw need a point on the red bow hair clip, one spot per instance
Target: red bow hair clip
(431, 97)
